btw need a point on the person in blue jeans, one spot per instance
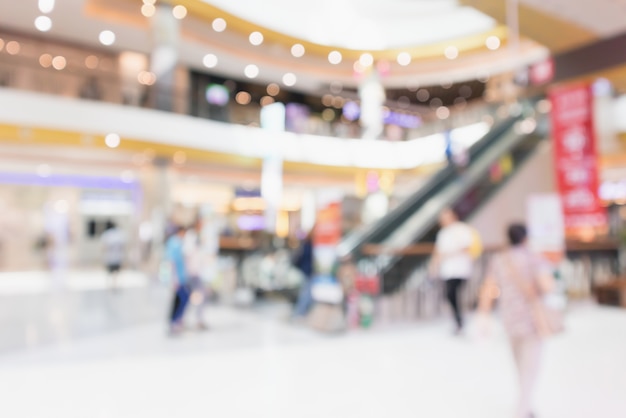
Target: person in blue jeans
(304, 263)
(174, 251)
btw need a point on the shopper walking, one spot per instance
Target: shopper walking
(522, 278)
(452, 260)
(304, 263)
(201, 250)
(174, 250)
(113, 249)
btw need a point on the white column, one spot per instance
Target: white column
(166, 34)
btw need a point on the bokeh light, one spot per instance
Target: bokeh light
(404, 58)
(335, 57)
(46, 6)
(422, 95)
(328, 115)
(267, 100)
(493, 43)
(13, 48)
(209, 60)
(443, 112)
(251, 71)
(112, 140)
(451, 52)
(243, 98)
(59, 63)
(219, 25)
(297, 50)
(290, 79)
(107, 37)
(179, 12)
(366, 59)
(146, 78)
(92, 62)
(43, 23)
(273, 89)
(256, 38)
(45, 60)
(148, 10)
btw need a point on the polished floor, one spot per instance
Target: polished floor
(252, 363)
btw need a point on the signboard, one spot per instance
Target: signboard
(576, 160)
(546, 227)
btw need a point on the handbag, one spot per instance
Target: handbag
(547, 318)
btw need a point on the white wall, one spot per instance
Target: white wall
(509, 203)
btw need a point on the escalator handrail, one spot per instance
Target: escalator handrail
(387, 260)
(353, 242)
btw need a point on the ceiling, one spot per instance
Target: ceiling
(424, 28)
(561, 25)
(363, 24)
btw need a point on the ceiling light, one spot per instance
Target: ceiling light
(404, 58)
(107, 37)
(366, 60)
(179, 12)
(451, 52)
(273, 89)
(493, 43)
(92, 62)
(148, 10)
(219, 25)
(251, 71)
(209, 60)
(256, 38)
(13, 48)
(45, 60)
(290, 79)
(46, 6)
(335, 57)
(243, 98)
(59, 63)
(43, 23)
(149, 2)
(112, 140)
(297, 50)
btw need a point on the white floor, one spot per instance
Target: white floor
(253, 365)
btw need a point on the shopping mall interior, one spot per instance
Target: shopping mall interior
(346, 208)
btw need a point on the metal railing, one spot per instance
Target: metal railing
(422, 297)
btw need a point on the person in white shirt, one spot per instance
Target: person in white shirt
(113, 249)
(452, 260)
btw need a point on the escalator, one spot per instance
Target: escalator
(415, 221)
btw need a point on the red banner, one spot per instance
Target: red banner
(328, 225)
(576, 160)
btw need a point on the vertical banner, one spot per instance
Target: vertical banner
(576, 160)
(327, 234)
